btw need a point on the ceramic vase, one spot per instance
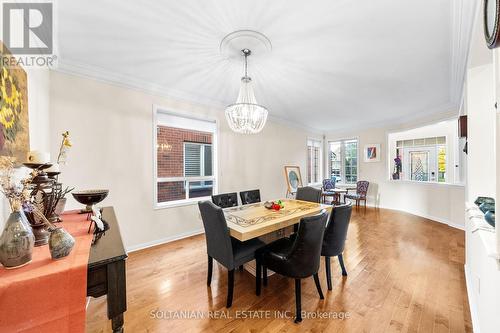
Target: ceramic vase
(60, 243)
(16, 242)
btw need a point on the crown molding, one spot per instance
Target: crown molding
(127, 82)
(462, 24)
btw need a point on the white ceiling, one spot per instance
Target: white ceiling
(335, 64)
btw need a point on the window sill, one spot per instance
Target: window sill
(395, 181)
(179, 203)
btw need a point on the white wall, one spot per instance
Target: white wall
(482, 271)
(111, 130)
(439, 202)
(38, 109)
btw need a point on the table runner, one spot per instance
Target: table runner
(48, 295)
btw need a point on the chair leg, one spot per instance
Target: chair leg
(341, 262)
(258, 275)
(298, 302)
(230, 287)
(264, 273)
(318, 286)
(328, 273)
(241, 268)
(210, 266)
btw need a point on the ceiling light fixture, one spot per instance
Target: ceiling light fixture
(246, 115)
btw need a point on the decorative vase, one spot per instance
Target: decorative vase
(60, 243)
(490, 218)
(41, 234)
(16, 242)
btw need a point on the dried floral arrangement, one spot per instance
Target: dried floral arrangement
(16, 190)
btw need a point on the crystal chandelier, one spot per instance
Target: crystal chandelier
(246, 116)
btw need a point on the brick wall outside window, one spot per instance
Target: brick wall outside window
(170, 162)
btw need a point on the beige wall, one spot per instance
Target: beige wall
(111, 129)
(439, 202)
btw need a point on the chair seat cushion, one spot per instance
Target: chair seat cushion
(274, 256)
(244, 252)
(354, 196)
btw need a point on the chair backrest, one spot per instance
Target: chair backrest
(328, 184)
(217, 236)
(362, 187)
(225, 200)
(249, 197)
(304, 257)
(336, 231)
(308, 194)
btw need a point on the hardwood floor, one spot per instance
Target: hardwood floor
(405, 275)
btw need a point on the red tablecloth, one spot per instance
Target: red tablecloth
(48, 295)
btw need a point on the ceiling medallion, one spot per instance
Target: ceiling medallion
(246, 115)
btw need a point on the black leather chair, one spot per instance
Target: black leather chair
(308, 193)
(249, 197)
(225, 200)
(334, 239)
(228, 251)
(297, 258)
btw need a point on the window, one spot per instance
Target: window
(427, 154)
(185, 159)
(343, 160)
(314, 153)
(422, 159)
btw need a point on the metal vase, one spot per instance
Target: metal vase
(16, 242)
(60, 243)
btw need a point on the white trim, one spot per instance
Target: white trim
(123, 81)
(165, 240)
(425, 216)
(342, 152)
(472, 301)
(172, 111)
(320, 162)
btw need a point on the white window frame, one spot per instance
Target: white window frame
(320, 162)
(215, 174)
(342, 163)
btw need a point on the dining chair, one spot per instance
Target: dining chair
(296, 258)
(249, 197)
(334, 239)
(225, 200)
(227, 251)
(360, 195)
(308, 193)
(328, 186)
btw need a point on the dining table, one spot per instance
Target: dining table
(335, 193)
(254, 220)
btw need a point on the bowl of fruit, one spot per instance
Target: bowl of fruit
(274, 205)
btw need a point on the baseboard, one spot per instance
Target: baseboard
(165, 240)
(472, 301)
(429, 217)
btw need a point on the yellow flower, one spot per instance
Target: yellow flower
(7, 118)
(66, 142)
(9, 91)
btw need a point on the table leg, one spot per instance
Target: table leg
(117, 297)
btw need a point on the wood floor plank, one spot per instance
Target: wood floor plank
(405, 275)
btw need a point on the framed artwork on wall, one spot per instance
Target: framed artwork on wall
(372, 152)
(293, 179)
(14, 126)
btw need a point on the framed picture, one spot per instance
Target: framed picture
(14, 126)
(293, 178)
(372, 152)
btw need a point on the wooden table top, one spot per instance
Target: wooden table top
(250, 221)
